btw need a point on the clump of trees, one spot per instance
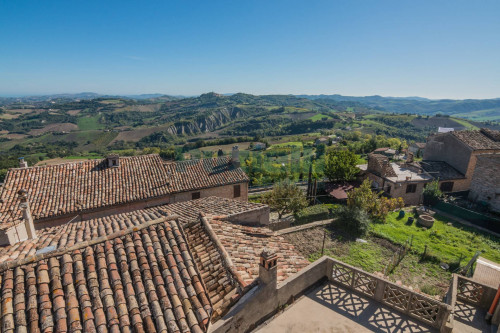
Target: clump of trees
(340, 165)
(376, 205)
(285, 197)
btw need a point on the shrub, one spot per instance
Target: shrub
(432, 193)
(353, 220)
(312, 213)
(429, 289)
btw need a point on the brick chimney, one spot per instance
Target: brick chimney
(113, 160)
(268, 269)
(235, 159)
(27, 218)
(22, 163)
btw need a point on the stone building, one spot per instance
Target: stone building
(83, 190)
(460, 150)
(417, 148)
(485, 185)
(408, 179)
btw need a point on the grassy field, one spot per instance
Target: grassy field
(465, 123)
(89, 123)
(294, 144)
(372, 257)
(446, 240)
(319, 117)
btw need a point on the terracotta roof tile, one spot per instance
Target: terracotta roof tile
(73, 187)
(75, 232)
(121, 282)
(479, 140)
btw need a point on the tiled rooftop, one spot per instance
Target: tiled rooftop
(226, 254)
(73, 187)
(484, 139)
(441, 170)
(404, 173)
(74, 232)
(138, 280)
(244, 244)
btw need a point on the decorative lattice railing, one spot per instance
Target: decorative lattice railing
(402, 299)
(469, 291)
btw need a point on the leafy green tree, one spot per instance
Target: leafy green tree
(377, 206)
(340, 165)
(320, 150)
(432, 193)
(285, 197)
(353, 220)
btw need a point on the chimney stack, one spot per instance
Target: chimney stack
(27, 218)
(268, 269)
(113, 160)
(22, 163)
(235, 160)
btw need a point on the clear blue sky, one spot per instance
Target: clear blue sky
(436, 49)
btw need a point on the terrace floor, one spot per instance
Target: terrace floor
(331, 308)
(468, 318)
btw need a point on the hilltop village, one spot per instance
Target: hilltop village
(143, 244)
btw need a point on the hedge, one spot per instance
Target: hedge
(314, 213)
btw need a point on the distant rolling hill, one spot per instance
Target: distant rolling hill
(474, 109)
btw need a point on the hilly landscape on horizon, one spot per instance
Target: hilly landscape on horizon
(89, 125)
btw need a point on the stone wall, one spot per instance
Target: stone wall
(226, 191)
(399, 190)
(259, 216)
(446, 147)
(485, 185)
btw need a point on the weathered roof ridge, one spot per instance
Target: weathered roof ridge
(93, 160)
(226, 259)
(482, 139)
(61, 251)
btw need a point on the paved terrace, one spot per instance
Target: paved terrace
(332, 308)
(346, 299)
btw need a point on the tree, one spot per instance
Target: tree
(353, 220)
(340, 165)
(432, 193)
(285, 197)
(320, 150)
(376, 205)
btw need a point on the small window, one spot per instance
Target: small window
(446, 187)
(388, 189)
(411, 188)
(195, 195)
(237, 191)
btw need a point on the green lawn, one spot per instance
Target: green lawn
(446, 242)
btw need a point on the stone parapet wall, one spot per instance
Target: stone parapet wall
(485, 185)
